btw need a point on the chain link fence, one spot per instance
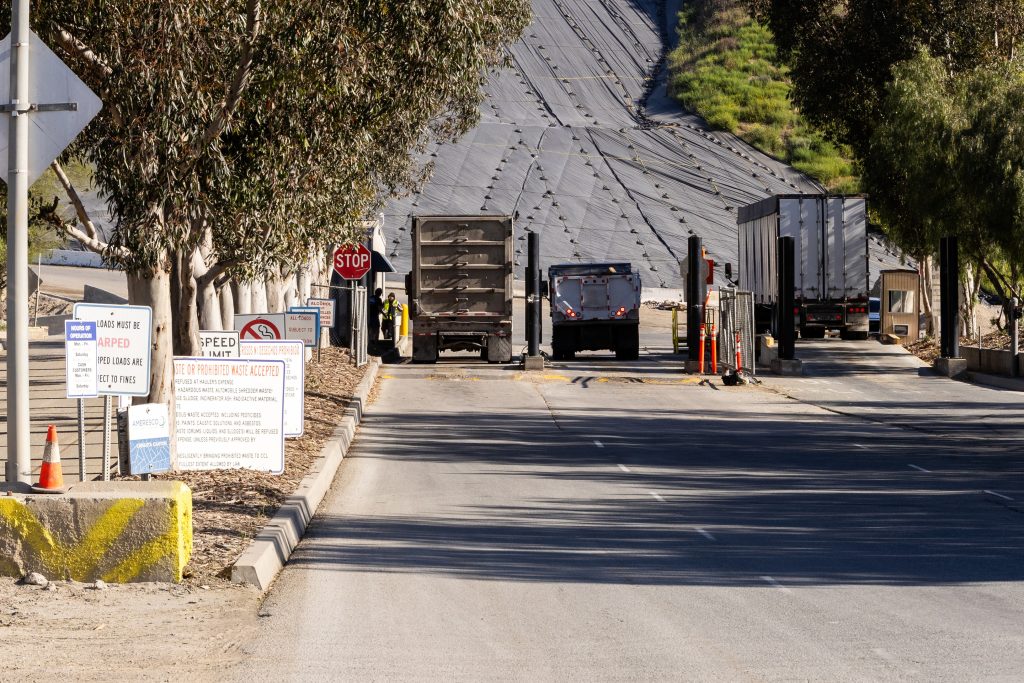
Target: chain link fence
(737, 331)
(359, 338)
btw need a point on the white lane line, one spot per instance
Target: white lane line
(919, 469)
(623, 468)
(705, 534)
(860, 446)
(657, 496)
(598, 443)
(775, 583)
(997, 495)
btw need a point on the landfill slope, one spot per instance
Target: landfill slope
(580, 141)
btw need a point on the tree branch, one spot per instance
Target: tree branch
(72, 193)
(79, 49)
(75, 47)
(243, 71)
(50, 215)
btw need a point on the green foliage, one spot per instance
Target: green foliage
(947, 158)
(245, 134)
(841, 52)
(41, 238)
(725, 69)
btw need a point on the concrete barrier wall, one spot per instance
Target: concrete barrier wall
(116, 531)
(73, 257)
(991, 361)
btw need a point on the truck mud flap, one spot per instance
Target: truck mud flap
(424, 348)
(499, 349)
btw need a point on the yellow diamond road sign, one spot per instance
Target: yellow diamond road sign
(51, 82)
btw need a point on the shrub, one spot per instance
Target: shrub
(725, 69)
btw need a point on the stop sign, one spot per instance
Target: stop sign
(352, 261)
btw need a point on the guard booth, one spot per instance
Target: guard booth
(901, 304)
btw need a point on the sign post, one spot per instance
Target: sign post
(352, 262)
(260, 326)
(219, 344)
(39, 83)
(124, 341)
(80, 369)
(326, 308)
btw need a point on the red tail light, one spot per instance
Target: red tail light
(621, 312)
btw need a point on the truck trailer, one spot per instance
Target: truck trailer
(832, 283)
(594, 306)
(460, 287)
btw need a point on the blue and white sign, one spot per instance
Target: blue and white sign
(303, 322)
(149, 438)
(80, 359)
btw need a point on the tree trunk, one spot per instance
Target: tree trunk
(290, 291)
(210, 316)
(275, 292)
(926, 269)
(242, 292)
(185, 310)
(258, 287)
(154, 290)
(227, 307)
(968, 302)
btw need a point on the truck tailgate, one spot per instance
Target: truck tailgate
(463, 266)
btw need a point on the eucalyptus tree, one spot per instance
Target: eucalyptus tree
(240, 137)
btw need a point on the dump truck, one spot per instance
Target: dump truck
(460, 286)
(594, 307)
(831, 279)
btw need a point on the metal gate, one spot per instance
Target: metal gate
(737, 331)
(359, 338)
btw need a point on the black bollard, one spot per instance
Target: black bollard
(533, 306)
(785, 302)
(696, 289)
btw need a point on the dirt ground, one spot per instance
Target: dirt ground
(166, 632)
(132, 632)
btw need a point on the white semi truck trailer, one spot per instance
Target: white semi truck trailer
(831, 281)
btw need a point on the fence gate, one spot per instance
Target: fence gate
(737, 331)
(359, 338)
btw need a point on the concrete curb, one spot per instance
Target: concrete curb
(268, 552)
(996, 381)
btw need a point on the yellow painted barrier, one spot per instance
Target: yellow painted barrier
(115, 531)
(404, 330)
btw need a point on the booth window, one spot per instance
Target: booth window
(901, 301)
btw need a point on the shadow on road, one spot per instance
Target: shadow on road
(807, 501)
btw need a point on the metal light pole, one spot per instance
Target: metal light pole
(19, 464)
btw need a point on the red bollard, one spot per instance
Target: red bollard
(714, 349)
(703, 336)
(739, 354)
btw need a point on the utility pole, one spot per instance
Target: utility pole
(19, 464)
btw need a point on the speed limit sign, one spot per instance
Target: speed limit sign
(352, 261)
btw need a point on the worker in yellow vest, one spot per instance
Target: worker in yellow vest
(389, 312)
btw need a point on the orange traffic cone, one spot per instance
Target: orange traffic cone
(51, 478)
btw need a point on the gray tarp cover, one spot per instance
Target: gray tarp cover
(580, 141)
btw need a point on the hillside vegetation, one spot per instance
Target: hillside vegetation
(725, 70)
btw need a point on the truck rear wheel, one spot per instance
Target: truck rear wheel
(627, 343)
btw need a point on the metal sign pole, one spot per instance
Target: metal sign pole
(19, 464)
(81, 439)
(106, 438)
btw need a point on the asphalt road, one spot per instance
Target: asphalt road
(603, 521)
